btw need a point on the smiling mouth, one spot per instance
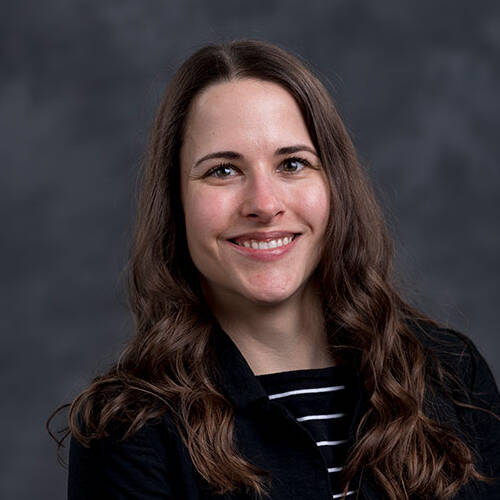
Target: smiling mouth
(266, 244)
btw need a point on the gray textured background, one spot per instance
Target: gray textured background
(417, 84)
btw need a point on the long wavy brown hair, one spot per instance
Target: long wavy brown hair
(167, 365)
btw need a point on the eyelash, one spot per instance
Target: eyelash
(211, 172)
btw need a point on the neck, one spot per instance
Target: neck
(279, 337)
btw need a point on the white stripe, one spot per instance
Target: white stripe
(340, 495)
(334, 469)
(306, 391)
(320, 417)
(330, 443)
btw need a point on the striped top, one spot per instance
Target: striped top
(321, 400)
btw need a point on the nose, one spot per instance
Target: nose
(263, 198)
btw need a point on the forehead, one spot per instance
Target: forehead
(241, 115)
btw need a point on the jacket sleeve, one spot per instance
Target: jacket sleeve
(484, 393)
(118, 470)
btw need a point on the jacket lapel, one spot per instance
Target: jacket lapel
(233, 373)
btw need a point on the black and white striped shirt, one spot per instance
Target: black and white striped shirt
(322, 401)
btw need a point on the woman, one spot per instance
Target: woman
(273, 356)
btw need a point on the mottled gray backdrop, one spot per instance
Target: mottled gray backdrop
(418, 84)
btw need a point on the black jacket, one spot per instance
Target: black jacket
(154, 463)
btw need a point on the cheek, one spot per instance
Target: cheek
(207, 213)
(315, 204)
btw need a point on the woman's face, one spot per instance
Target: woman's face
(249, 169)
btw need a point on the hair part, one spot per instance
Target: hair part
(167, 366)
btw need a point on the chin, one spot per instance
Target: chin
(270, 297)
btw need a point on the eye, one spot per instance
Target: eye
(222, 168)
(294, 164)
(297, 164)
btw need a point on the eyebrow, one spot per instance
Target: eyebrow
(232, 155)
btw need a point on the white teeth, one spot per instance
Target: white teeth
(265, 245)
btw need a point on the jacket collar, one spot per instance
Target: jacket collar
(235, 376)
(242, 387)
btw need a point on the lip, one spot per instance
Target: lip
(264, 255)
(261, 236)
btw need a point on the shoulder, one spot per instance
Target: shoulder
(468, 377)
(470, 381)
(153, 438)
(455, 350)
(441, 340)
(139, 462)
